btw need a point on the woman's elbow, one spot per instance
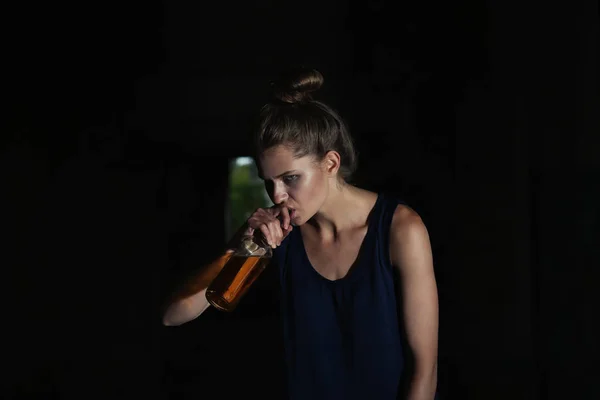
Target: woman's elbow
(173, 316)
(184, 311)
(166, 321)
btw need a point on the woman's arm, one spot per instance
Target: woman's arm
(410, 252)
(189, 302)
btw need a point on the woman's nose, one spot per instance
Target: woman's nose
(280, 196)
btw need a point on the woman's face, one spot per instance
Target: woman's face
(301, 184)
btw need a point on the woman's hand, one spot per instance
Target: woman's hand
(273, 222)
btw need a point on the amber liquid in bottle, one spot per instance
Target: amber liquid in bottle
(234, 280)
(238, 274)
(203, 279)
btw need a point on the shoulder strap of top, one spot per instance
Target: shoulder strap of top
(388, 207)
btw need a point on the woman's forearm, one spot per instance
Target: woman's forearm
(190, 301)
(185, 310)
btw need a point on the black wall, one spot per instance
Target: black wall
(120, 122)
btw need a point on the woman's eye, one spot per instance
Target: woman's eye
(290, 179)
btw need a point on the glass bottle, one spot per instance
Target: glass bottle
(249, 256)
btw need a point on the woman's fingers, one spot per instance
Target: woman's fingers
(267, 234)
(285, 217)
(277, 233)
(274, 229)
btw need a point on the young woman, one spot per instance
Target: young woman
(355, 267)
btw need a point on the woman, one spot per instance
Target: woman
(355, 267)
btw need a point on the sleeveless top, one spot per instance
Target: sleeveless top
(342, 338)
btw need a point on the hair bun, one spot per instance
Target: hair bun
(297, 85)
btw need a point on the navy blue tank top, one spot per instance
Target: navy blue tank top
(342, 338)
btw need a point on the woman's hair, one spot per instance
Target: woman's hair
(306, 126)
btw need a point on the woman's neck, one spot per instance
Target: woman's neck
(346, 207)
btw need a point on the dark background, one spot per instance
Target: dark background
(119, 121)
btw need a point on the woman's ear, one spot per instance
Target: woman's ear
(332, 163)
